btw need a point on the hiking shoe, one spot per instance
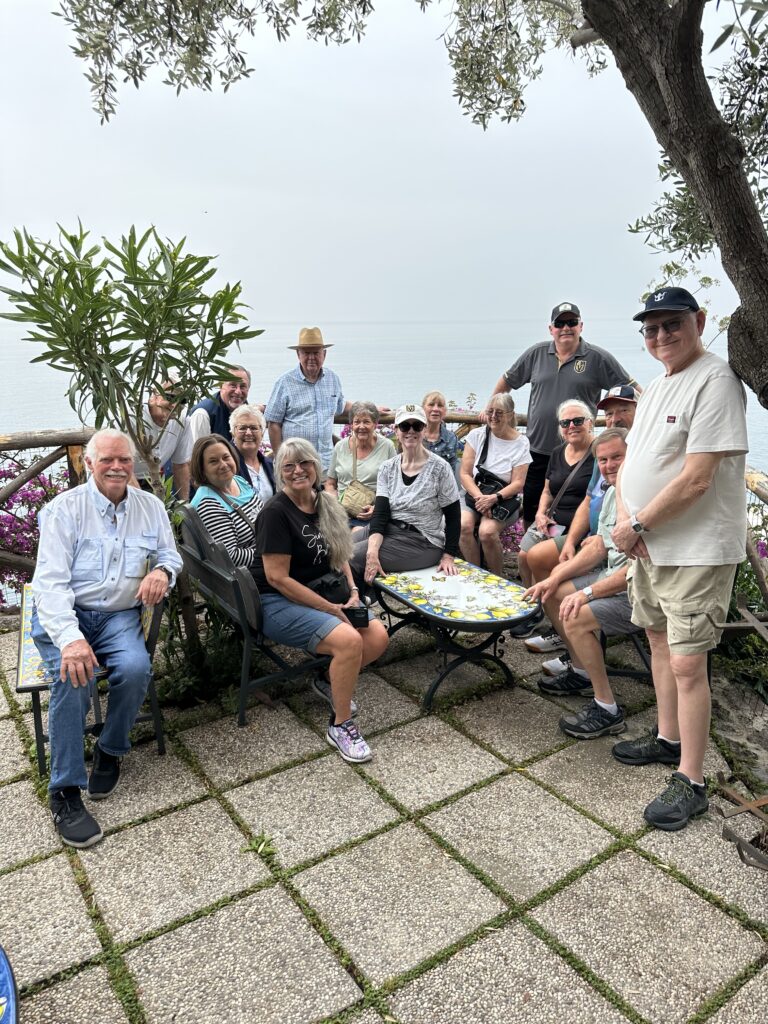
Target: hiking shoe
(528, 627)
(648, 749)
(75, 825)
(592, 721)
(348, 741)
(322, 688)
(566, 684)
(105, 774)
(546, 643)
(555, 666)
(679, 802)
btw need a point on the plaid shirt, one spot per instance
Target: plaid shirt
(306, 408)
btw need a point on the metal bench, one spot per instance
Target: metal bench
(32, 678)
(233, 590)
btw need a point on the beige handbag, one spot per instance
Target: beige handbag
(356, 496)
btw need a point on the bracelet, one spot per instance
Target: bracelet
(354, 589)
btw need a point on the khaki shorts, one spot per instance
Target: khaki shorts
(684, 601)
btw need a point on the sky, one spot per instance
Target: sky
(344, 184)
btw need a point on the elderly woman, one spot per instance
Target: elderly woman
(504, 452)
(416, 494)
(437, 437)
(226, 503)
(303, 536)
(247, 427)
(568, 475)
(358, 457)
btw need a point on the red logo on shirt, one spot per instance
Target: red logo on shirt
(671, 419)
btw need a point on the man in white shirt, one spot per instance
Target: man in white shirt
(105, 549)
(165, 425)
(682, 520)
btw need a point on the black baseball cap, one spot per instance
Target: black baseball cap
(621, 393)
(563, 309)
(673, 299)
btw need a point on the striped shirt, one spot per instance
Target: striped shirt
(225, 526)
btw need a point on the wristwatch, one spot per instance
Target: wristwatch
(167, 571)
(587, 592)
(636, 525)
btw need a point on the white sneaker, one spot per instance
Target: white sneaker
(556, 666)
(546, 643)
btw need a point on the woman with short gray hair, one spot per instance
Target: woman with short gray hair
(247, 426)
(355, 464)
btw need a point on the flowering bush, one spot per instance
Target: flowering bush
(18, 519)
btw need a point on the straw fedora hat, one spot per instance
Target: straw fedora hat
(310, 337)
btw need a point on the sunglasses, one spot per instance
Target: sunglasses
(575, 420)
(410, 425)
(670, 327)
(560, 324)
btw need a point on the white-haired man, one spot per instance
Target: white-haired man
(105, 549)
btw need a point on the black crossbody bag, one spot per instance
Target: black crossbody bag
(489, 483)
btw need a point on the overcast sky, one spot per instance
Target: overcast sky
(343, 183)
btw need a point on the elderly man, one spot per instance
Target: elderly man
(585, 595)
(305, 400)
(171, 436)
(682, 520)
(565, 367)
(105, 549)
(211, 415)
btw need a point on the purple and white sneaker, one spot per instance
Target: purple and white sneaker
(348, 741)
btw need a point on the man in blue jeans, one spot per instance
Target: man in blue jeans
(105, 549)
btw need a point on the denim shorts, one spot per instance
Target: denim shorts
(295, 625)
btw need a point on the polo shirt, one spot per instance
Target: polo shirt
(584, 375)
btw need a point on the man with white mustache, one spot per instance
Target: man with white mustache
(105, 549)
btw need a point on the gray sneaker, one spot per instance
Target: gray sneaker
(592, 721)
(547, 643)
(322, 688)
(679, 802)
(348, 741)
(648, 749)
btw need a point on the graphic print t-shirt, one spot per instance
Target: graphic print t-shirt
(283, 529)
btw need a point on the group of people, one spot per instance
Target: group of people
(639, 527)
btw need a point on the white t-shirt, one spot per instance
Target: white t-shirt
(175, 444)
(503, 456)
(699, 409)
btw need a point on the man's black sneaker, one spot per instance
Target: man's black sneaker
(105, 774)
(679, 802)
(73, 823)
(592, 721)
(527, 628)
(648, 749)
(567, 684)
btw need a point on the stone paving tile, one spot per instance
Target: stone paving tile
(12, 757)
(44, 926)
(367, 1017)
(427, 761)
(748, 1005)
(510, 977)
(27, 826)
(396, 900)
(311, 809)
(415, 675)
(522, 662)
(9, 649)
(380, 704)
(4, 707)
(520, 835)
(168, 868)
(148, 783)
(406, 643)
(271, 737)
(588, 774)
(514, 722)
(700, 853)
(261, 962)
(626, 918)
(85, 999)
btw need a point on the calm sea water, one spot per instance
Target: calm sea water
(391, 362)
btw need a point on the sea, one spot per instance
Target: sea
(389, 362)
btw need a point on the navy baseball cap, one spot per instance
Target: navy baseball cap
(621, 393)
(673, 299)
(563, 309)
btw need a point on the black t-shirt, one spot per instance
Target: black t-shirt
(557, 474)
(283, 529)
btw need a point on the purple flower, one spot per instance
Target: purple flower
(762, 549)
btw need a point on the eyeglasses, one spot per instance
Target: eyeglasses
(575, 420)
(304, 466)
(248, 430)
(560, 324)
(494, 414)
(670, 327)
(410, 425)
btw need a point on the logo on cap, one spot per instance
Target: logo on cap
(659, 296)
(564, 307)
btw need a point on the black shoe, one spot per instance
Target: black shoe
(592, 721)
(567, 684)
(105, 774)
(73, 823)
(679, 802)
(648, 749)
(527, 628)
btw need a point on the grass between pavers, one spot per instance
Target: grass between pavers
(728, 991)
(373, 997)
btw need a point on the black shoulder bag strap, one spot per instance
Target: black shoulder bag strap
(238, 511)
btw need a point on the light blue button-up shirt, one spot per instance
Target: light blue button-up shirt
(306, 408)
(94, 554)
